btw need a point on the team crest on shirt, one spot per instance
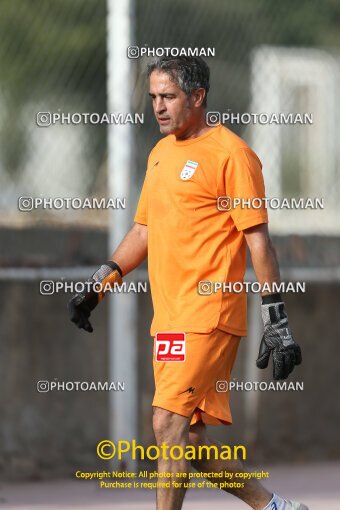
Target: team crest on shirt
(188, 170)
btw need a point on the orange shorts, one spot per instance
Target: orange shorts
(188, 387)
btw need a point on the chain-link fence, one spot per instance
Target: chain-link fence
(53, 61)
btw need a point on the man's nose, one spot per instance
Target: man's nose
(159, 105)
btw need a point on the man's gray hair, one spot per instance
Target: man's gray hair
(190, 73)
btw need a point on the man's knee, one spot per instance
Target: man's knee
(169, 427)
(198, 434)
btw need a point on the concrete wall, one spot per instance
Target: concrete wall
(51, 434)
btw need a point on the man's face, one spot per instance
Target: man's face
(174, 110)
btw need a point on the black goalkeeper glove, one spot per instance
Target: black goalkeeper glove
(82, 303)
(277, 339)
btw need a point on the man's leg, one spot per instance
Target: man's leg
(171, 429)
(253, 493)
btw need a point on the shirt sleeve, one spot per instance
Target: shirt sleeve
(141, 215)
(244, 182)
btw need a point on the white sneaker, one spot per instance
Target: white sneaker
(294, 505)
(277, 503)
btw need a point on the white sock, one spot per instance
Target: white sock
(276, 503)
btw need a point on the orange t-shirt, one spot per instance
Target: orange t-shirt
(189, 238)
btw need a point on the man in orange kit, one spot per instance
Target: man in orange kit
(194, 244)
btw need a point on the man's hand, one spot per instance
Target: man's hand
(82, 303)
(277, 339)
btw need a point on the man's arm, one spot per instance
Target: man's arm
(277, 338)
(133, 249)
(129, 254)
(263, 255)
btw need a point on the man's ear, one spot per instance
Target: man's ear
(198, 97)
